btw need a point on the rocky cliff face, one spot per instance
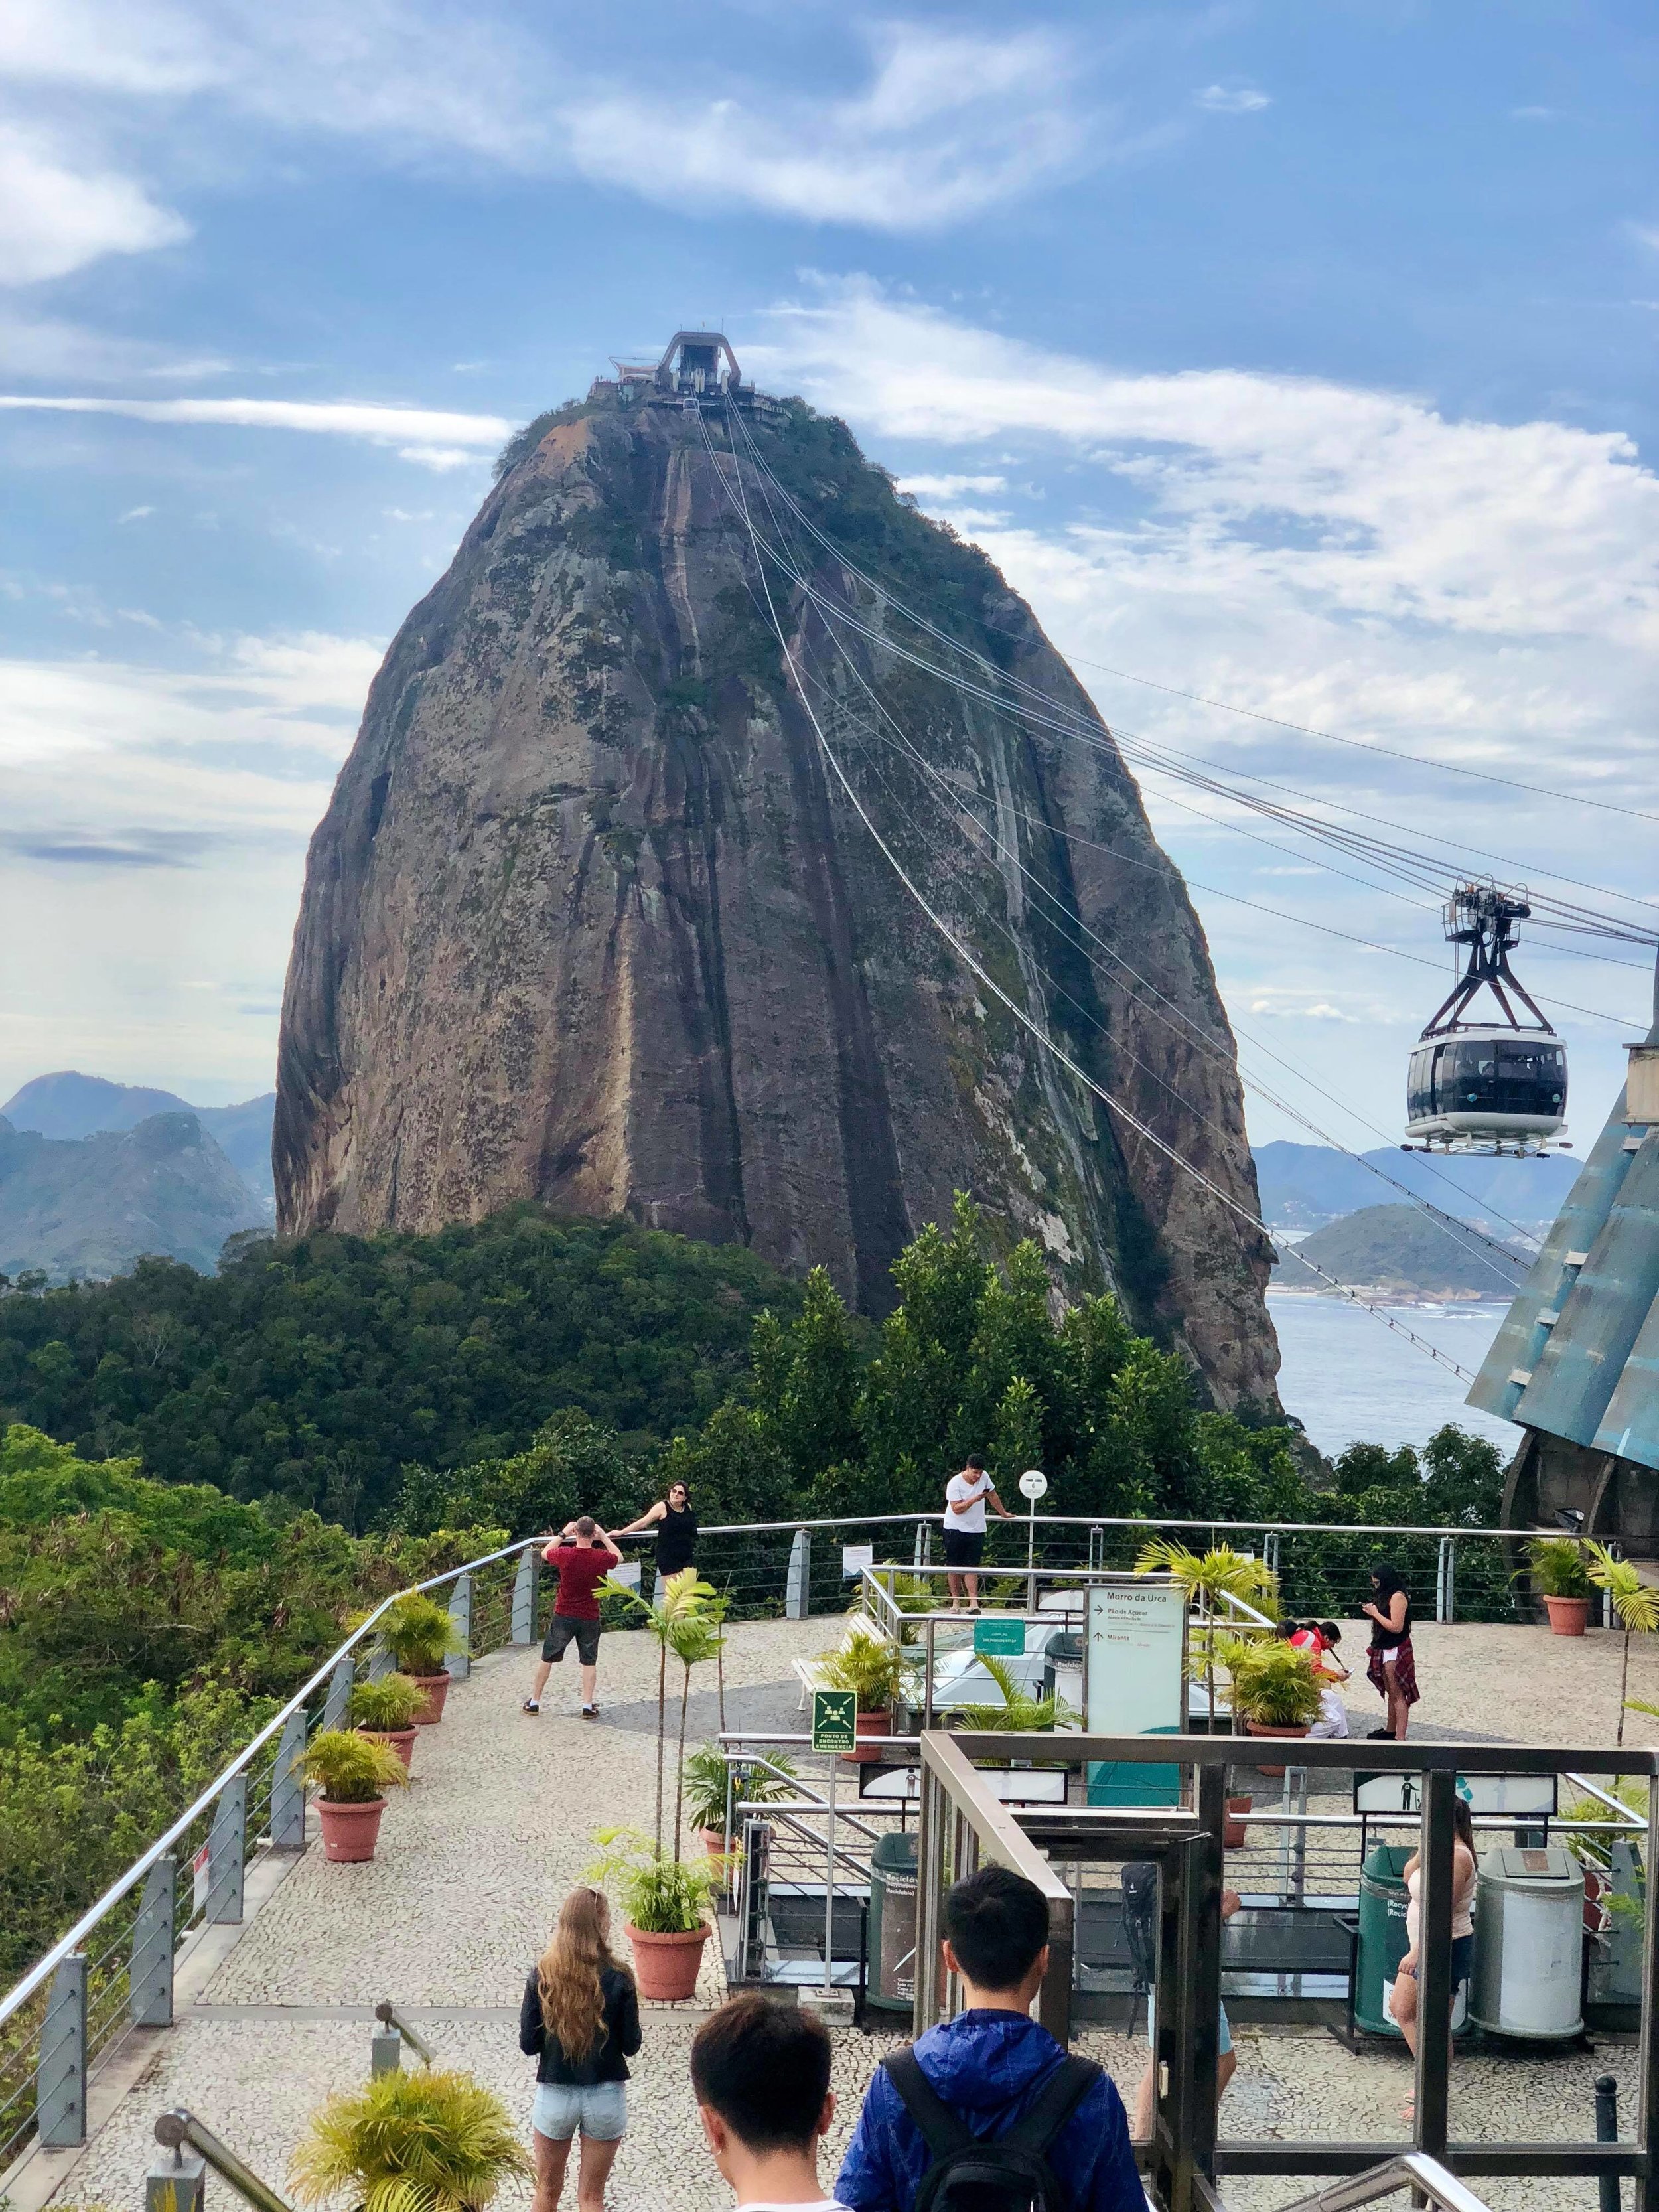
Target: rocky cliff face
(590, 919)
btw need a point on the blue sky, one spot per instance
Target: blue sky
(1300, 356)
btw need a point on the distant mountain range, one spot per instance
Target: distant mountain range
(1303, 1186)
(94, 1173)
(1401, 1251)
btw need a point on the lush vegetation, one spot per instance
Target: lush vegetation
(146, 1630)
(310, 1372)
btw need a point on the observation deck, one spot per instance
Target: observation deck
(273, 2012)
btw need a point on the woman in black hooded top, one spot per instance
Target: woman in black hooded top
(1391, 1665)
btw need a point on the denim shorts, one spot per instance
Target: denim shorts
(600, 2112)
(1223, 2033)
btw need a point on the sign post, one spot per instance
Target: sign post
(1033, 1485)
(834, 1730)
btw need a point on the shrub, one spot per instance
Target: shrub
(661, 1896)
(868, 1665)
(1273, 1683)
(1557, 1567)
(705, 1785)
(419, 1633)
(425, 2140)
(390, 1703)
(351, 1769)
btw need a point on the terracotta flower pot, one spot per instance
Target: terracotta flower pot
(1568, 1616)
(1261, 1728)
(350, 1830)
(402, 1740)
(869, 1725)
(666, 1966)
(1234, 1833)
(437, 1689)
(714, 1841)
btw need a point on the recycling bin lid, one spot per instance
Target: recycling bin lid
(1512, 1867)
(894, 1853)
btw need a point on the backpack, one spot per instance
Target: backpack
(1140, 1884)
(1008, 2172)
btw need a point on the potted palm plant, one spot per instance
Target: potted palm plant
(353, 1772)
(665, 1900)
(1635, 1606)
(871, 1668)
(430, 2140)
(1560, 1576)
(1275, 1691)
(1210, 1581)
(1018, 1710)
(706, 1771)
(386, 1711)
(420, 1635)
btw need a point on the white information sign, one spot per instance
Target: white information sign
(855, 1558)
(1136, 1652)
(1034, 1484)
(627, 1572)
(1481, 1793)
(1028, 1785)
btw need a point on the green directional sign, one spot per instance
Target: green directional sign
(834, 1719)
(1006, 1638)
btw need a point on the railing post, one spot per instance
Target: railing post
(1434, 1984)
(176, 2184)
(1270, 1553)
(918, 1553)
(150, 1981)
(1606, 2130)
(1442, 1580)
(526, 1594)
(386, 2050)
(341, 1683)
(380, 1661)
(1097, 1547)
(288, 1791)
(458, 1665)
(798, 1589)
(60, 2073)
(226, 1848)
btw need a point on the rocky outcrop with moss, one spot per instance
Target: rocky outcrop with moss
(589, 920)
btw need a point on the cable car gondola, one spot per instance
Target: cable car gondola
(1486, 1086)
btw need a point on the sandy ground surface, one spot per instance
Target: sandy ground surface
(473, 1862)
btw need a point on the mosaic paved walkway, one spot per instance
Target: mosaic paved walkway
(474, 1861)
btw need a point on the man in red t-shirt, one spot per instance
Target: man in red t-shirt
(584, 1555)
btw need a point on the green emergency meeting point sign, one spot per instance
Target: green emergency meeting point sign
(834, 1719)
(1006, 1638)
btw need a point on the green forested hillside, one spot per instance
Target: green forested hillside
(310, 1372)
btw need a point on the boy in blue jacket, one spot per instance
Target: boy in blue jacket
(990, 2063)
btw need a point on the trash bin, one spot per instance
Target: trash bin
(1529, 1944)
(1381, 1942)
(892, 1968)
(1382, 1945)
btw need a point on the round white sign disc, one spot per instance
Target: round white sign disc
(1033, 1484)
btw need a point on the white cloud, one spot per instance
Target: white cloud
(950, 486)
(465, 436)
(1232, 99)
(951, 123)
(135, 514)
(56, 215)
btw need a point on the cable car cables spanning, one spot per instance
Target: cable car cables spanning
(1064, 919)
(976, 967)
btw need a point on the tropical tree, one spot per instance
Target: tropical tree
(1209, 1580)
(1635, 1603)
(678, 1614)
(1019, 1709)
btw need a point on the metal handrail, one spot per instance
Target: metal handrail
(389, 2016)
(1412, 2170)
(178, 2127)
(45, 1968)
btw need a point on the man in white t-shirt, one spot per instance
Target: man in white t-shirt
(760, 2073)
(966, 1496)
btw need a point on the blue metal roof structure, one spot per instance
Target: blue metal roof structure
(1578, 1354)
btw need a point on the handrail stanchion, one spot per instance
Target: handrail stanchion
(526, 1591)
(175, 2129)
(798, 1589)
(60, 2076)
(227, 1853)
(341, 1682)
(287, 1788)
(150, 1979)
(178, 2184)
(458, 1665)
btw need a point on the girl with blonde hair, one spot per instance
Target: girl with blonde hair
(580, 2023)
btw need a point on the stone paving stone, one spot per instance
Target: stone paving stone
(475, 1858)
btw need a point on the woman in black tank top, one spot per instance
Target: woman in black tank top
(1392, 1666)
(675, 1525)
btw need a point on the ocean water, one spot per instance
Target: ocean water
(1349, 1379)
